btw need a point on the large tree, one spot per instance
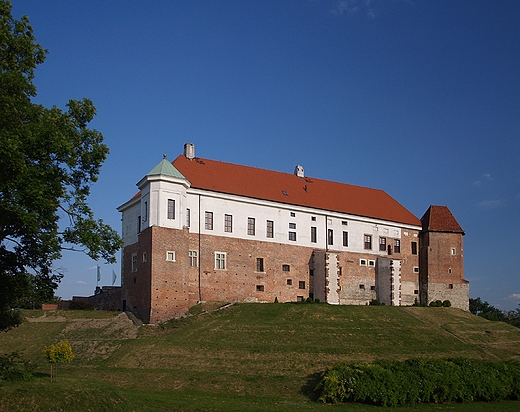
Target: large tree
(48, 160)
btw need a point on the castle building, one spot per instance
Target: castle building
(204, 230)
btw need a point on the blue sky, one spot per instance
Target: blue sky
(417, 98)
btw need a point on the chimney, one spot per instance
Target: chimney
(298, 171)
(189, 151)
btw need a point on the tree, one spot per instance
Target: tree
(48, 160)
(486, 310)
(61, 352)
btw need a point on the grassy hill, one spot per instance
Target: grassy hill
(256, 357)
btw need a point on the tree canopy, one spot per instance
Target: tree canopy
(49, 159)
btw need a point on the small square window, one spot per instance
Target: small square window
(313, 218)
(286, 268)
(372, 287)
(170, 256)
(416, 292)
(301, 284)
(362, 287)
(259, 288)
(292, 225)
(450, 286)
(289, 282)
(371, 263)
(293, 214)
(344, 222)
(416, 269)
(299, 298)
(363, 262)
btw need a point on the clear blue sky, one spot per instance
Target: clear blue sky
(418, 98)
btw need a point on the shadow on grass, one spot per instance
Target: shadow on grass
(309, 389)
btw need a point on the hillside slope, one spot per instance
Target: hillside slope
(247, 356)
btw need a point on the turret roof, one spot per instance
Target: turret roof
(440, 219)
(166, 168)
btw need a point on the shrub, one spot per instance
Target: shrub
(14, 368)
(393, 383)
(81, 305)
(446, 304)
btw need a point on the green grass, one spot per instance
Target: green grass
(248, 357)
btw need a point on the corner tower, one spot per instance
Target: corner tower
(441, 259)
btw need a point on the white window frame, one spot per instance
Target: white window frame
(220, 260)
(193, 259)
(170, 256)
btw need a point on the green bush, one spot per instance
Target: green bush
(14, 368)
(393, 383)
(81, 305)
(446, 303)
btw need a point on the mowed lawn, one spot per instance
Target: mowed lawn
(247, 357)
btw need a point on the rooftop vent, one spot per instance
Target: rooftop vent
(189, 151)
(298, 171)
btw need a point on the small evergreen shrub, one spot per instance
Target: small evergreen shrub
(393, 383)
(446, 303)
(14, 368)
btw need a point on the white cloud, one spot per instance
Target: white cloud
(477, 183)
(486, 176)
(92, 267)
(491, 204)
(80, 282)
(353, 6)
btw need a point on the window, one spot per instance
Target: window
(368, 241)
(144, 257)
(145, 214)
(416, 292)
(344, 223)
(292, 236)
(382, 244)
(208, 220)
(220, 260)
(286, 268)
(362, 287)
(134, 262)
(397, 246)
(313, 234)
(449, 271)
(292, 225)
(363, 262)
(171, 209)
(270, 229)
(138, 224)
(259, 288)
(193, 257)
(345, 238)
(170, 256)
(289, 282)
(260, 264)
(450, 286)
(313, 218)
(330, 237)
(371, 263)
(188, 217)
(301, 284)
(453, 251)
(228, 223)
(414, 248)
(251, 226)
(415, 269)
(299, 298)
(293, 214)
(372, 287)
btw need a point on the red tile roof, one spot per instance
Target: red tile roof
(288, 188)
(440, 219)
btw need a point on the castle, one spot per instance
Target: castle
(204, 230)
